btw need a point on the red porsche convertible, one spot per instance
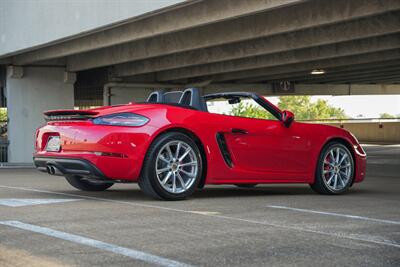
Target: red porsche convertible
(171, 145)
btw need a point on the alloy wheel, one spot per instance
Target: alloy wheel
(337, 168)
(176, 167)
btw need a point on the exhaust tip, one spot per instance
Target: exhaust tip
(51, 170)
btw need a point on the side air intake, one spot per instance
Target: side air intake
(224, 149)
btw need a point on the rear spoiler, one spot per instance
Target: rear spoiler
(69, 114)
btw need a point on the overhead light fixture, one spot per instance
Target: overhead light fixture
(317, 72)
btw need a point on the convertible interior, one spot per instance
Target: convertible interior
(190, 98)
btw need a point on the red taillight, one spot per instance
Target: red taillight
(36, 145)
(45, 139)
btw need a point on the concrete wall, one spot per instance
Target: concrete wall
(121, 95)
(371, 132)
(25, 24)
(38, 90)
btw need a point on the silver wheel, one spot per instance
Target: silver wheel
(337, 168)
(176, 167)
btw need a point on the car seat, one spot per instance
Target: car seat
(191, 97)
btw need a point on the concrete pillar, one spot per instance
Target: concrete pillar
(30, 91)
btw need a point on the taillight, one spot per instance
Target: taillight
(121, 119)
(45, 139)
(36, 145)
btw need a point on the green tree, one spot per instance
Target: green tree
(3, 114)
(304, 109)
(249, 110)
(301, 106)
(386, 116)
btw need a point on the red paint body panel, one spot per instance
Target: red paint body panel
(268, 153)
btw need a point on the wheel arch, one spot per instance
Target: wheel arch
(342, 141)
(199, 144)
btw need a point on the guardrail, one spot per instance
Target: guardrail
(3, 142)
(354, 120)
(3, 150)
(381, 130)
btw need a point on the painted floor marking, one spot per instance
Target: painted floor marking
(204, 212)
(21, 202)
(362, 238)
(132, 253)
(336, 214)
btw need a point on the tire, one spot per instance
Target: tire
(162, 168)
(246, 185)
(85, 185)
(333, 175)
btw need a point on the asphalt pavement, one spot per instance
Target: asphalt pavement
(46, 222)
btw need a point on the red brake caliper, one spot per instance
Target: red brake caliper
(327, 166)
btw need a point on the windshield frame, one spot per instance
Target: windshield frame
(262, 101)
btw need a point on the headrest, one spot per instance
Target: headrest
(156, 97)
(191, 97)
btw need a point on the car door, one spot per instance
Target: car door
(268, 147)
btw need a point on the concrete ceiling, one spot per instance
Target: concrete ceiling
(243, 42)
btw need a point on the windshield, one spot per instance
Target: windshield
(241, 106)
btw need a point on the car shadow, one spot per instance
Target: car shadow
(221, 192)
(212, 192)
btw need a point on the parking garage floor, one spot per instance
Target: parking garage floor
(45, 222)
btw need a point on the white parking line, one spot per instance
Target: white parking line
(135, 254)
(369, 239)
(22, 202)
(336, 214)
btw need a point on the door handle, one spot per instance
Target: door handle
(238, 131)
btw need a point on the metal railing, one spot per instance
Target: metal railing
(378, 120)
(3, 150)
(3, 142)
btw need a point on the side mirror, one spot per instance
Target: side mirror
(287, 118)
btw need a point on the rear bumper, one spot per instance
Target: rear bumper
(68, 166)
(117, 152)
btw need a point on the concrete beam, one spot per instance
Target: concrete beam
(307, 89)
(288, 19)
(308, 66)
(360, 79)
(345, 76)
(362, 46)
(183, 16)
(262, 89)
(347, 89)
(15, 72)
(389, 78)
(387, 81)
(5, 61)
(293, 76)
(346, 31)
(69, 77)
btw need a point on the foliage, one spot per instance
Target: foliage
(386, 116)
(304, 109)
(3, 114)
(301, 106)
(249, 110)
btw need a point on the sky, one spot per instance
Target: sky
(370, 106)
